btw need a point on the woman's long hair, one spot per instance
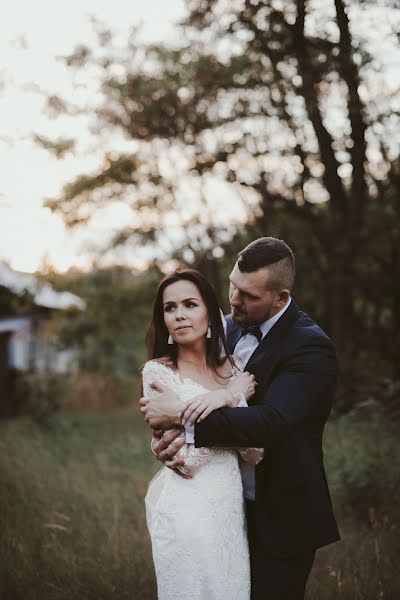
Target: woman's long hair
(157, 334)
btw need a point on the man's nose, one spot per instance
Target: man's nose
(235, 298)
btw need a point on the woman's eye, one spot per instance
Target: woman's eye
(191, 305)
(168, 308)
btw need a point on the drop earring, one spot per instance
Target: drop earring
(209, 332)
(170, 340)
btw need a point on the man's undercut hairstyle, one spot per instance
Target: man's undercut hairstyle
(272, 254)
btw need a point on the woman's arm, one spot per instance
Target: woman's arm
(239, 388)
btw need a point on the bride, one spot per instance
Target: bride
(196, 521)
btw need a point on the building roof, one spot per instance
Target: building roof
(13, 324)
(43, 293)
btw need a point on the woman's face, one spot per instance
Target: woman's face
(185, 312)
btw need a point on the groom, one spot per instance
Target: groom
(289, 510)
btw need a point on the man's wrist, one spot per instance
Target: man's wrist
(176, 422)
(169, 422)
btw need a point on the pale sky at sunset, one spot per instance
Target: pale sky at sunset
(32, 35)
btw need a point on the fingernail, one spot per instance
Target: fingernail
(179, 414)
(183, 420)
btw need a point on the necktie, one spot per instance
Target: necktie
(253, 330)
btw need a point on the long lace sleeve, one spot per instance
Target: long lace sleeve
(251, 455)
(154, 371)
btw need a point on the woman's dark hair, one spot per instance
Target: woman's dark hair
(157, 334)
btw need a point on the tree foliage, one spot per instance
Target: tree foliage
(109, 335)
(290, 107)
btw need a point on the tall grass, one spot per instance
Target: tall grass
(362, 456)
(71, 505)
(72, 520)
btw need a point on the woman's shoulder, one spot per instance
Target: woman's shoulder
(161, 371)
(156, 365)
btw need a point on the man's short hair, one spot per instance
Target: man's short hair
(273, 254)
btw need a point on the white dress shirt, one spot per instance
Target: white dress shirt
(243, 350)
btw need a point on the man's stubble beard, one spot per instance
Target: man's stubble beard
(244, 322)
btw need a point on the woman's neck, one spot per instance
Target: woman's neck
(193, 355)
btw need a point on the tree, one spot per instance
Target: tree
(109, 334)
(278, 100)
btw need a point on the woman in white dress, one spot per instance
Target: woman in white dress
(197, 525)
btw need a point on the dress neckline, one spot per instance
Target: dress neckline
(184, 380)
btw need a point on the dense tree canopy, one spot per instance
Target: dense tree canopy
(288, 109)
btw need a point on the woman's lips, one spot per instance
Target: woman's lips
(182, 328)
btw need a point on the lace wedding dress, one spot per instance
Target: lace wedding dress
(197, 526)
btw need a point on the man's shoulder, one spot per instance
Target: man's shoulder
(230, 324)
(308, 328)
(306, 333)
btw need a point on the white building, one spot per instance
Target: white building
(26, 340)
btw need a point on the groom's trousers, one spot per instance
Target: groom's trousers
(272, 577)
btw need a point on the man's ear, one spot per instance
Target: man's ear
(284, 296)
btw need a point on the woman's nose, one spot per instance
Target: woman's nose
(180, 312)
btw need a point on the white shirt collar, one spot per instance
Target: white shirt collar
(269, 323)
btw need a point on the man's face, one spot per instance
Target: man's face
(251, 298)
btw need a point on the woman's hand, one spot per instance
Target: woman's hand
(201, 406)
(244, 383)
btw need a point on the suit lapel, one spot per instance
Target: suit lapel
(269, 343)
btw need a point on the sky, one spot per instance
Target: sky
(32, 36)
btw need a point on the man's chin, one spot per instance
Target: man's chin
(239, 319)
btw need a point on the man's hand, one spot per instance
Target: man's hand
(162, 411)
(166, 448)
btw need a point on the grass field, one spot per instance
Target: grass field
(72, 520)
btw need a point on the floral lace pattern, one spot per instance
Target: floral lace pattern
(197, 526)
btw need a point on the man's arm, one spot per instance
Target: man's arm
(303, 389)
(165, 411)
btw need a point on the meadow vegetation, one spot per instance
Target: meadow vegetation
(72, 515)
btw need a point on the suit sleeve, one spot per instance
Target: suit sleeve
(301, 391)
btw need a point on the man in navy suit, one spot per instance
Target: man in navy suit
(289, 510)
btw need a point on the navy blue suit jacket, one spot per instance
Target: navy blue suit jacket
(296, 370)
